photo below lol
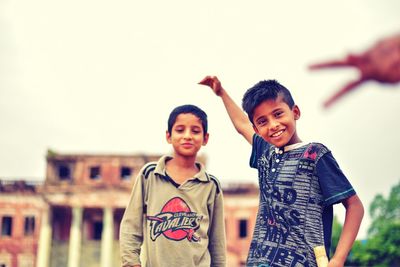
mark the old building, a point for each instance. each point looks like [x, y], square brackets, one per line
[73, 218]
[240, 207]
[21, 208]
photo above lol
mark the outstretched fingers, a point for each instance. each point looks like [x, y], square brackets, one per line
[346, 89]
[330, 64]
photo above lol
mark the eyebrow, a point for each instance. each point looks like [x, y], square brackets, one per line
[191, 126]
[277, 109]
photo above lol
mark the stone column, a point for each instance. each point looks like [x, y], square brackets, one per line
[107, 238]
[44, 246]
[75, 237]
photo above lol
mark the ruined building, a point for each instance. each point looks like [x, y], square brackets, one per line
[72, 218]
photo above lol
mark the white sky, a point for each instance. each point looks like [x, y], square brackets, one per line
[102, 77]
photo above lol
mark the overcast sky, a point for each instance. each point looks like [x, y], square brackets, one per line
[102, 77]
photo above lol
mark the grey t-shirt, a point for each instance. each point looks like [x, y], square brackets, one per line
[167, 224]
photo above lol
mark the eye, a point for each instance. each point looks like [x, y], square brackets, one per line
[278, 114]
[196, 130]
[262, 121]
[179, 129]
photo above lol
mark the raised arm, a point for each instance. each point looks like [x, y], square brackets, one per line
[239, 119]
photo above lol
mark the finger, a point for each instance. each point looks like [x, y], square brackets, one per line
[350, 86]
[206, 81]
[330, 64]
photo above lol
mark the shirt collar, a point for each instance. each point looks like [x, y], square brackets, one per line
[201, 175]
[289, 147]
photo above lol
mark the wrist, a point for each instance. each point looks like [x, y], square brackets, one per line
[220, 92]
[338, 259]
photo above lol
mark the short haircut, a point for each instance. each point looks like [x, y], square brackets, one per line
[265, 90]
[184, 109]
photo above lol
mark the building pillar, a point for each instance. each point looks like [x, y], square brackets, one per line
[44, 246]
[75, 237]
[107, 238]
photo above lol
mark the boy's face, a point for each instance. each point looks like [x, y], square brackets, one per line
[187, 135]
[275, 122]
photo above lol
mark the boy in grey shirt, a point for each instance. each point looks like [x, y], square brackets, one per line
[176, 207]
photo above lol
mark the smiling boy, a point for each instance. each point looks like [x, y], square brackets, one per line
[299, 182]
[176, 207]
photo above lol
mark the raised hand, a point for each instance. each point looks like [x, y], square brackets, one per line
[380, 63]
[213, 83]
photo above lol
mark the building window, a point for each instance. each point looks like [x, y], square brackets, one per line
[97, 230]
[95, 173]
[29, 227]
[64, 173]
[6, 226]
[242, 228]
[126, 173]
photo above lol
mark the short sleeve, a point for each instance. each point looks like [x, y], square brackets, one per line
[258, 148]
[334, 184]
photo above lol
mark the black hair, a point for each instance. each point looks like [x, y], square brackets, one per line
[184, 109]
[265, 90]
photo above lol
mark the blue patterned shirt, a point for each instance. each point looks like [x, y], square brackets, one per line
[298, 187]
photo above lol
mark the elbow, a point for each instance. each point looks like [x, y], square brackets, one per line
[362, 211]
[354, 206]
[358, 209]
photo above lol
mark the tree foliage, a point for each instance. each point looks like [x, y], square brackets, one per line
[382, 247]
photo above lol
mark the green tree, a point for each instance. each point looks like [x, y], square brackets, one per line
[382, 247]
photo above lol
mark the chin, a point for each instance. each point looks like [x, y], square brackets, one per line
[188, 154]
[278, 144]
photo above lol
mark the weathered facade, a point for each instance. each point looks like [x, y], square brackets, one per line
[21, 207]
[240, 208]
[73, 218]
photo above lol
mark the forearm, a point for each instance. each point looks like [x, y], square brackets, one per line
[238, 118]
[354, 215]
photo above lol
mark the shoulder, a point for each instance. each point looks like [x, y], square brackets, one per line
[315, 151]
[214, 180]
[260, 148]
[258, 141]
[148, 169]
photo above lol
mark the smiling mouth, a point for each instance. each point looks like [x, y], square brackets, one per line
[187, 145]
[277, 134]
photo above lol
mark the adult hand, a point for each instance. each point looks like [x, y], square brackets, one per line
[380, 63]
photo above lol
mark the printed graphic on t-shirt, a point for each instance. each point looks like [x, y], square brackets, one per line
[288, 222]
[311, 152]
[176, 222]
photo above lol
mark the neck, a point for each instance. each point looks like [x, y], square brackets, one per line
[181, 168]
[295, 139]
[183, 162]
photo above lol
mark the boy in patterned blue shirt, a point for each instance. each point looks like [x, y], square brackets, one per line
[299, 182]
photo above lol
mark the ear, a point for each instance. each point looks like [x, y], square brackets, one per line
[255, 129]
[296, 112]
[206, 137]
[168, 137]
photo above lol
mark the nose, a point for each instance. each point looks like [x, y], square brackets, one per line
[273, 124]
[187, 134]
